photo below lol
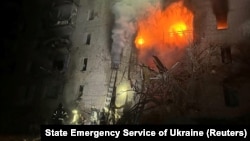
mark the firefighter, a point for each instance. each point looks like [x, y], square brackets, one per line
[60, 115]
[78, 119]
[94, 116]
[103, 117]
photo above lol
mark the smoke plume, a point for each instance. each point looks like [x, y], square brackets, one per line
[126, 12]
[220, 10]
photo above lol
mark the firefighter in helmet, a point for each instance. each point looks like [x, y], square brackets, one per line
[60, 115]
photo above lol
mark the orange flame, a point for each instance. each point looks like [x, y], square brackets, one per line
[222, 25]
[140, 41]
[161, 32]
[178, 28]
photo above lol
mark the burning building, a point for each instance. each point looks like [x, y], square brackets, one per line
[158, 31]
[165, 33]
[157, 59]
[197, 41]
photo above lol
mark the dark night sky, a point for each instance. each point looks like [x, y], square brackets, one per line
[20, 28]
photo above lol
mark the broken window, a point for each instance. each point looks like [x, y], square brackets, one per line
[226, 55]
[85, 62]
[81, 88]
[91, 15]
[88, 39]
[79, 97]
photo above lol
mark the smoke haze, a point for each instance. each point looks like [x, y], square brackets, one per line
[126, 12]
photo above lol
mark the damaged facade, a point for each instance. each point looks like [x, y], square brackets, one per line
[208, 74]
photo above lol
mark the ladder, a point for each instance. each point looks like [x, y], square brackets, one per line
[111, 88]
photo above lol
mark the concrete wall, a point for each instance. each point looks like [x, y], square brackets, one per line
[211, 98]
[95, 78]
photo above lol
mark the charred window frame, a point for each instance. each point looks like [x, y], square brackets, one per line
[80, 92]
[81, 87]
[226, 55]
[88, 39]
[85, 63]
[91, 15]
